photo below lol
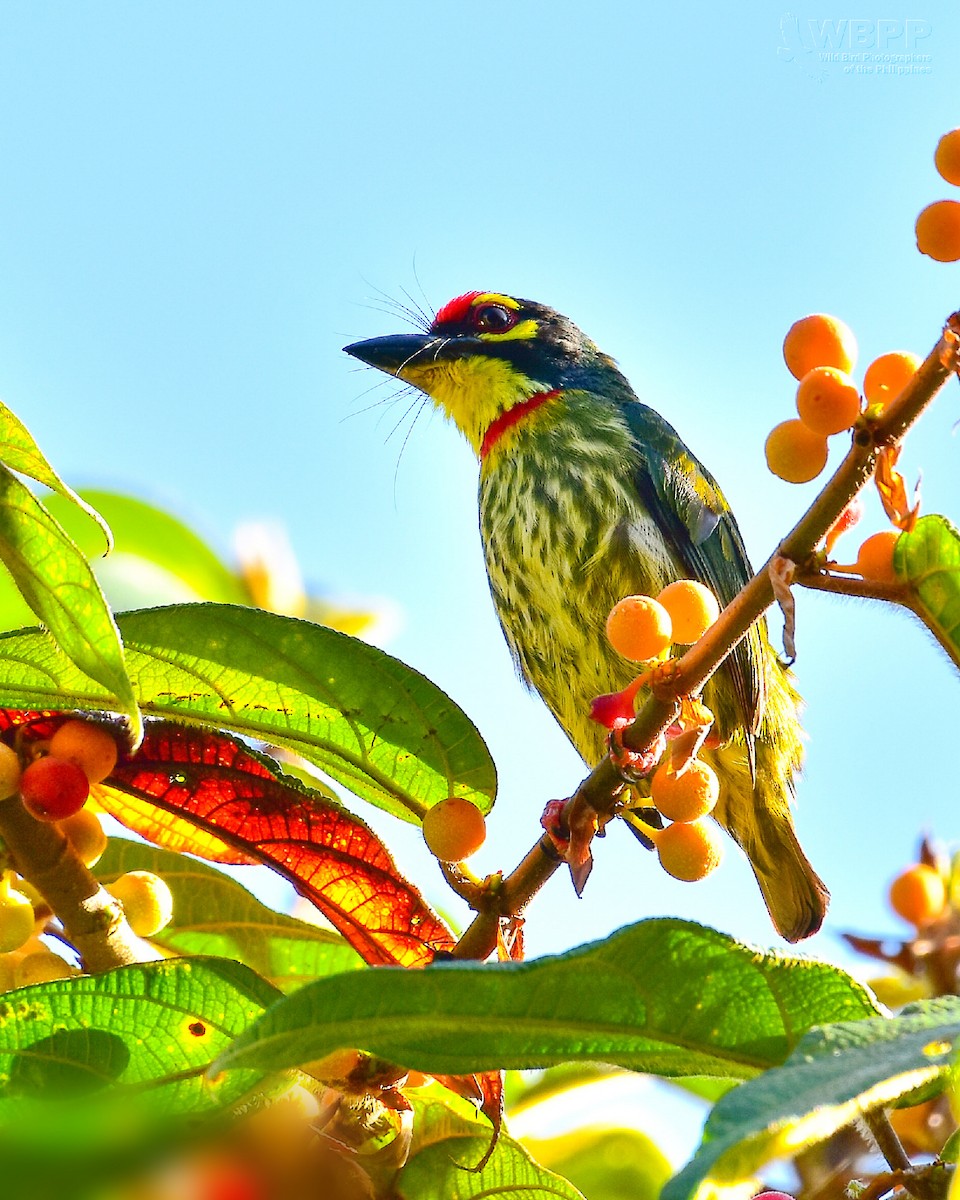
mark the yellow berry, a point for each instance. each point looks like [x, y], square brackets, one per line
[692, 609]
[947, 156]
[794, 452]
[89, 745]
[639, 628]
[938, 231]
[16, 920]
[888, 375]
[146, 899]
[819, 341]
[690, 850]
[918, 894]
[687, 795]
[454, 829]
[10, 771]
[43, 966]
[875, 557]
[85, 834]
[828, 401]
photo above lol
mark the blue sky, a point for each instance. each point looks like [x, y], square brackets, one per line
[200, 204]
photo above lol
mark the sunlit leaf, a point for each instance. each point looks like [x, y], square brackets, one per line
[929, 559]
[604, 1162]
[329, 855]
[214, 915]
[20, 453]
[448, 1142]
[364, 718]
[93, 1067]
[836, 1074]
[664, 996]
[59, 586]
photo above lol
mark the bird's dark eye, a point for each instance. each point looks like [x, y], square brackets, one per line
[494, 318]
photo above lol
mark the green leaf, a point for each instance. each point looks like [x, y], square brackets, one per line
[96, 1071]
[60, 588]
[20, 452]
[151, 542]
[364, 718]
[836, 1074]
[664, 996]
[604, 1162]
[448, 1143]
[214, 915]
[929, 559]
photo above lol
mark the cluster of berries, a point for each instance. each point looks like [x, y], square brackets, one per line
[820, 352]
[938, 225]
[642, 628]
[54, 786]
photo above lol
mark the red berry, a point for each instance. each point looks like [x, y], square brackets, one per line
[52, 789]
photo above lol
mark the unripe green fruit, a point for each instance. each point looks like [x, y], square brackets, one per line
[16, 920]
[10, 771]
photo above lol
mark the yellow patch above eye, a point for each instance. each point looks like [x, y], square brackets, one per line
[522, 331]
[496, 298]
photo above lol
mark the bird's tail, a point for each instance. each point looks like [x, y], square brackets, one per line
[756, 812]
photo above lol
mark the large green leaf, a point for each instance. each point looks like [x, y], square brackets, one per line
[836, 1074]
[215, 915]
[59, 586]
[664, 996]
[364, 718]
[605, 1163]
[98, 1071]
[929, 558]
[448, 1143]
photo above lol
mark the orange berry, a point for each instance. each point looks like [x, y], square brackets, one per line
[828, 401]
[42, 966]
[794, 452]
[688, 795]
[875, 557]
[454, 829]
[692, 609]
[87, 744]
[85, 834]
[819, 341]
[639, 628]
[888, 375]
[938, 231]
[947, 156]
[918, 894]
[689, 850]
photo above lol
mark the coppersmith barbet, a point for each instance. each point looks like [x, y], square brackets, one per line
[588, 495]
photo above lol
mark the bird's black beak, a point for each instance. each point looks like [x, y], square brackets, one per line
[391, 353]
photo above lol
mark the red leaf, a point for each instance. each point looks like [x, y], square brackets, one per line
[329, 855]
[204, 792]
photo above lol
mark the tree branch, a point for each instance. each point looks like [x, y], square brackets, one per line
[92, 918]
[597, 797]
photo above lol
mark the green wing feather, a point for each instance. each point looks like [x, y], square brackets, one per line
[702, 533]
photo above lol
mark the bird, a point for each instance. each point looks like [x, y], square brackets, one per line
[587, 495]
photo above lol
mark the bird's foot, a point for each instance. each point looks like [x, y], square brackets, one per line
[634, 765]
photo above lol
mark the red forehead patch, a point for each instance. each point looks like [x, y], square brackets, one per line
[457, 309]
